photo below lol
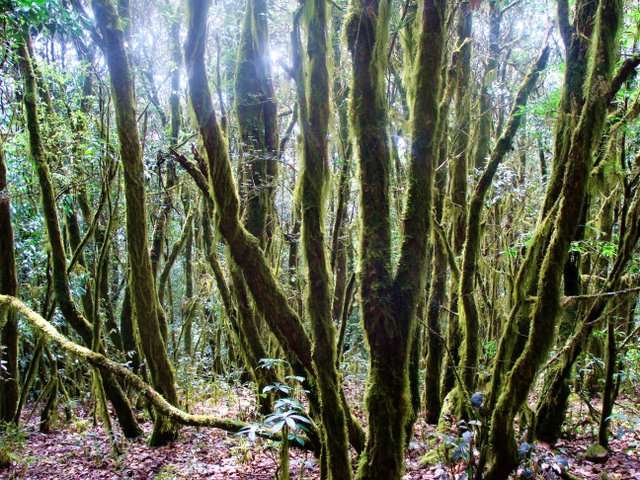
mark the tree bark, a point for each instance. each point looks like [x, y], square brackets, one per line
[389, 303]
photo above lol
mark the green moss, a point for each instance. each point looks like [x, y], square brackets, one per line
[596, 453]
[389, 302]
[546, 303]
[469, 318]
[312, 83]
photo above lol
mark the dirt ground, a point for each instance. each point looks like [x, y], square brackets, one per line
[80, 450]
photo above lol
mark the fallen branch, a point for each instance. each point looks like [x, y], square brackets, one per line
[103, 363]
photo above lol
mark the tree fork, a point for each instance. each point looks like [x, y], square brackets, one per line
[389, 303]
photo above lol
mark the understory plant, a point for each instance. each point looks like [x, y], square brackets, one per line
[287, 423]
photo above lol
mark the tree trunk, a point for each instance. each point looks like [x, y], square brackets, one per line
[54, 237]
[142, 284]
[313, 106]
[458, 172]
[9, 383]
[389, 304]
[546, 306]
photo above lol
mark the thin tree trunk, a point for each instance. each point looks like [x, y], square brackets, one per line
[313, 107]
[54, 237]
[143, 291]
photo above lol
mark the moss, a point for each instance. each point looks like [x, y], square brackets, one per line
[577, 40]
[104, 364]
[458, 174]
[469, 318]
[389, 303]
[312, 83]
[244, 248]
[177, 247]
[61, 287]
[596, 453]
[256, 111]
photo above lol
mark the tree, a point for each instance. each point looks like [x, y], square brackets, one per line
[10, 392]
[389, 303]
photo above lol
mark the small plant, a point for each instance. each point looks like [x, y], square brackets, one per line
[626, 424]
[539, 463]
[288, 420]
[11, 441]
[460, 449]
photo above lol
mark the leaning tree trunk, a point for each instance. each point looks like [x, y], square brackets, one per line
[270, 298]
[469, 317]
[142, 284]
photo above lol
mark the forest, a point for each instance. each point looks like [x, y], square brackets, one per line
[320, 239]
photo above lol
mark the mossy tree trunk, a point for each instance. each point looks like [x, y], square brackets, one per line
[142, 284]
[244, 248]
[188, 290]
[175, 121]
[437, 295]
[458, 163]
[104, 364]
[339, 236]
[485, 120]
[9, 381]
[552, 406]
[436, 301]
[576, 39]
[269, 297]
[568, 207]
[312, 84]
[389, 303]
[469, 316]
[256, 111]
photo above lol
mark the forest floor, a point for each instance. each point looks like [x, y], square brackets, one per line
[78, 449]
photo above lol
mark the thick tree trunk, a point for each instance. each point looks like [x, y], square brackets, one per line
[389, 304]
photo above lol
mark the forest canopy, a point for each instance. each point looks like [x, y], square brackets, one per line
[406, 230]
